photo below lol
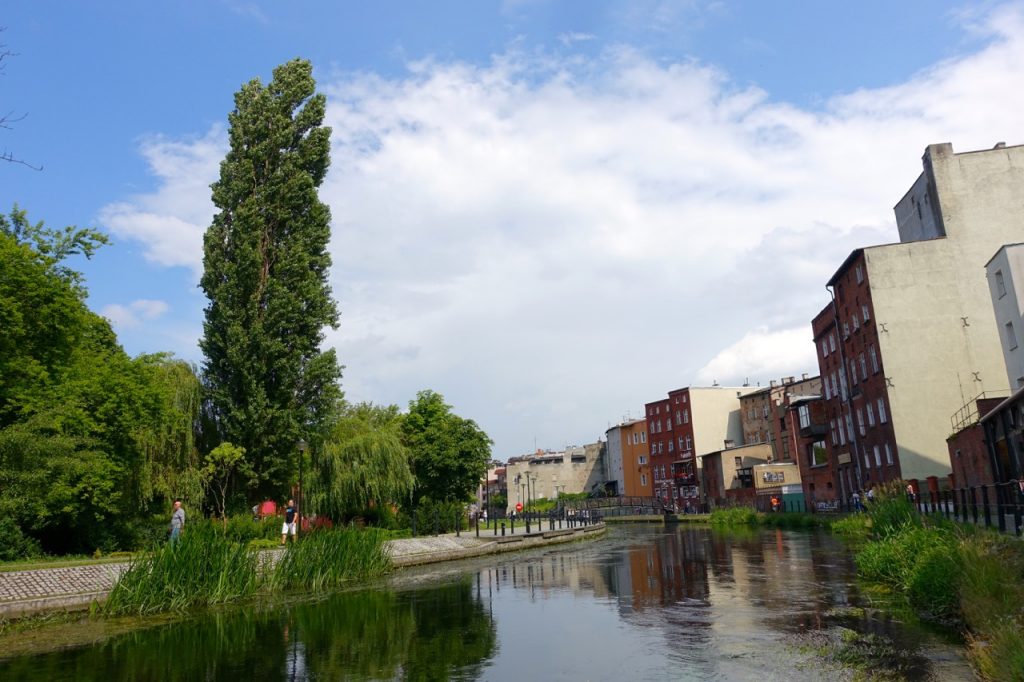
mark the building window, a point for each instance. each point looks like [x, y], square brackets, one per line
[867, 460]
[828, 391]
[824, 348]
[661, 448]
[643, 436]
[842, 383]
[849, 427]
[888, 454]
[846, 330]
[871, 414]
[832, 342]
[671, 445]
[864, 312]
[882, 417]
[1000, 284]
[853, 372]
[856, 322]
[860, 274]
[1011, 336]
[643, 479]
[874, 359]
[686, 416]
[764, 411]
[863, 367]
[817, 454]
[804, 413]
[689, 444]
[860, 422]
[679, 417]
[643, 460]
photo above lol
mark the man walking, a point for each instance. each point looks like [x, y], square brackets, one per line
[289, 522]
[177, 521]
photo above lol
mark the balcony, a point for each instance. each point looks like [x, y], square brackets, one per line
[813, 431]
[685, 479]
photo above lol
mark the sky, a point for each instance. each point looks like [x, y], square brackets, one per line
[549, 212]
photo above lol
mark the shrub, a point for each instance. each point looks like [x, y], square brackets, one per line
[14, 544]
[855, 527]
[933, 584]
[440, 516]
[734, 516]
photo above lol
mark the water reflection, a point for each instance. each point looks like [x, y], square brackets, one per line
[646, 603]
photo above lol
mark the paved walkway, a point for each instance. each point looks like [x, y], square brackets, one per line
[45, 589]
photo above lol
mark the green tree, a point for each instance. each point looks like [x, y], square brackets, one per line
[265, 274]
[224, 463]
[362, 462]
[449, 453]
[90, 439]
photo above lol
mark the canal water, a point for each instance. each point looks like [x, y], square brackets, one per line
[644, 603]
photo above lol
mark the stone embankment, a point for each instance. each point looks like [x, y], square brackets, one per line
[76, 587]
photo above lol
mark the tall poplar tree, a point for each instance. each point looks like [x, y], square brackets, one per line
[265, 271]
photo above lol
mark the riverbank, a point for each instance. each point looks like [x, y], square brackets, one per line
[78, 587]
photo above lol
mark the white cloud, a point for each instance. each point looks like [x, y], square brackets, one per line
[552, 242]
[124, 317]
[170, 222]
[761, 353]
[571, 37]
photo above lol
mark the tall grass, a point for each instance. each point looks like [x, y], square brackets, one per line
[950, 572]
[202, 568]
[328, 558]
[734, 516]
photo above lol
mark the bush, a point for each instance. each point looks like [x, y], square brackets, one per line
[855, 527]
[243, 528]
[933, 585]
[440, 516]
[734, 516]
[14, 544]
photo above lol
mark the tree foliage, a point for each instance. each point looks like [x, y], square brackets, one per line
[222, 465]
[361, 463]
[265, 275]
[449, 453]
[90, 439]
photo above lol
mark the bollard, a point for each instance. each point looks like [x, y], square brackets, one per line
[478, 526]
[495, 526]
[502, 528]
[458, 524]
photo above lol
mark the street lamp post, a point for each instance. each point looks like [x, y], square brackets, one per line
[302, 447]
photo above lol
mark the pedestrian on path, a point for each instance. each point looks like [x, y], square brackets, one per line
[856, 502]
[289, 522]
[177, 521]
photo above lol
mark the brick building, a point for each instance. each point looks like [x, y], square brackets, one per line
[692, 421]
[910, 329]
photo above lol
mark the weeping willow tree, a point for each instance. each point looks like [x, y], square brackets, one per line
[362, 463]
[169, 463]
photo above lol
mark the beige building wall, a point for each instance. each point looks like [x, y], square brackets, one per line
[579, 469]
[1005, 274]
[937, 330]
[715, 415]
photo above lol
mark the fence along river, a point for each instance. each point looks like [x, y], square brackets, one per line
[647, 603]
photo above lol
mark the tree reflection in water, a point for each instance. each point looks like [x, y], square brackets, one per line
[359, 635]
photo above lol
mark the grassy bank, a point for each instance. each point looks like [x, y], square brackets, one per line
[207, 567]
[745, 516]
[950, 573]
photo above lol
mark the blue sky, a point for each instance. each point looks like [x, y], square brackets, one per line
[566, 208]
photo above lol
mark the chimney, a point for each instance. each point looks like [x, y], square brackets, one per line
[771, 384]
[803, 377]
[729, 443]
[1000, 145]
